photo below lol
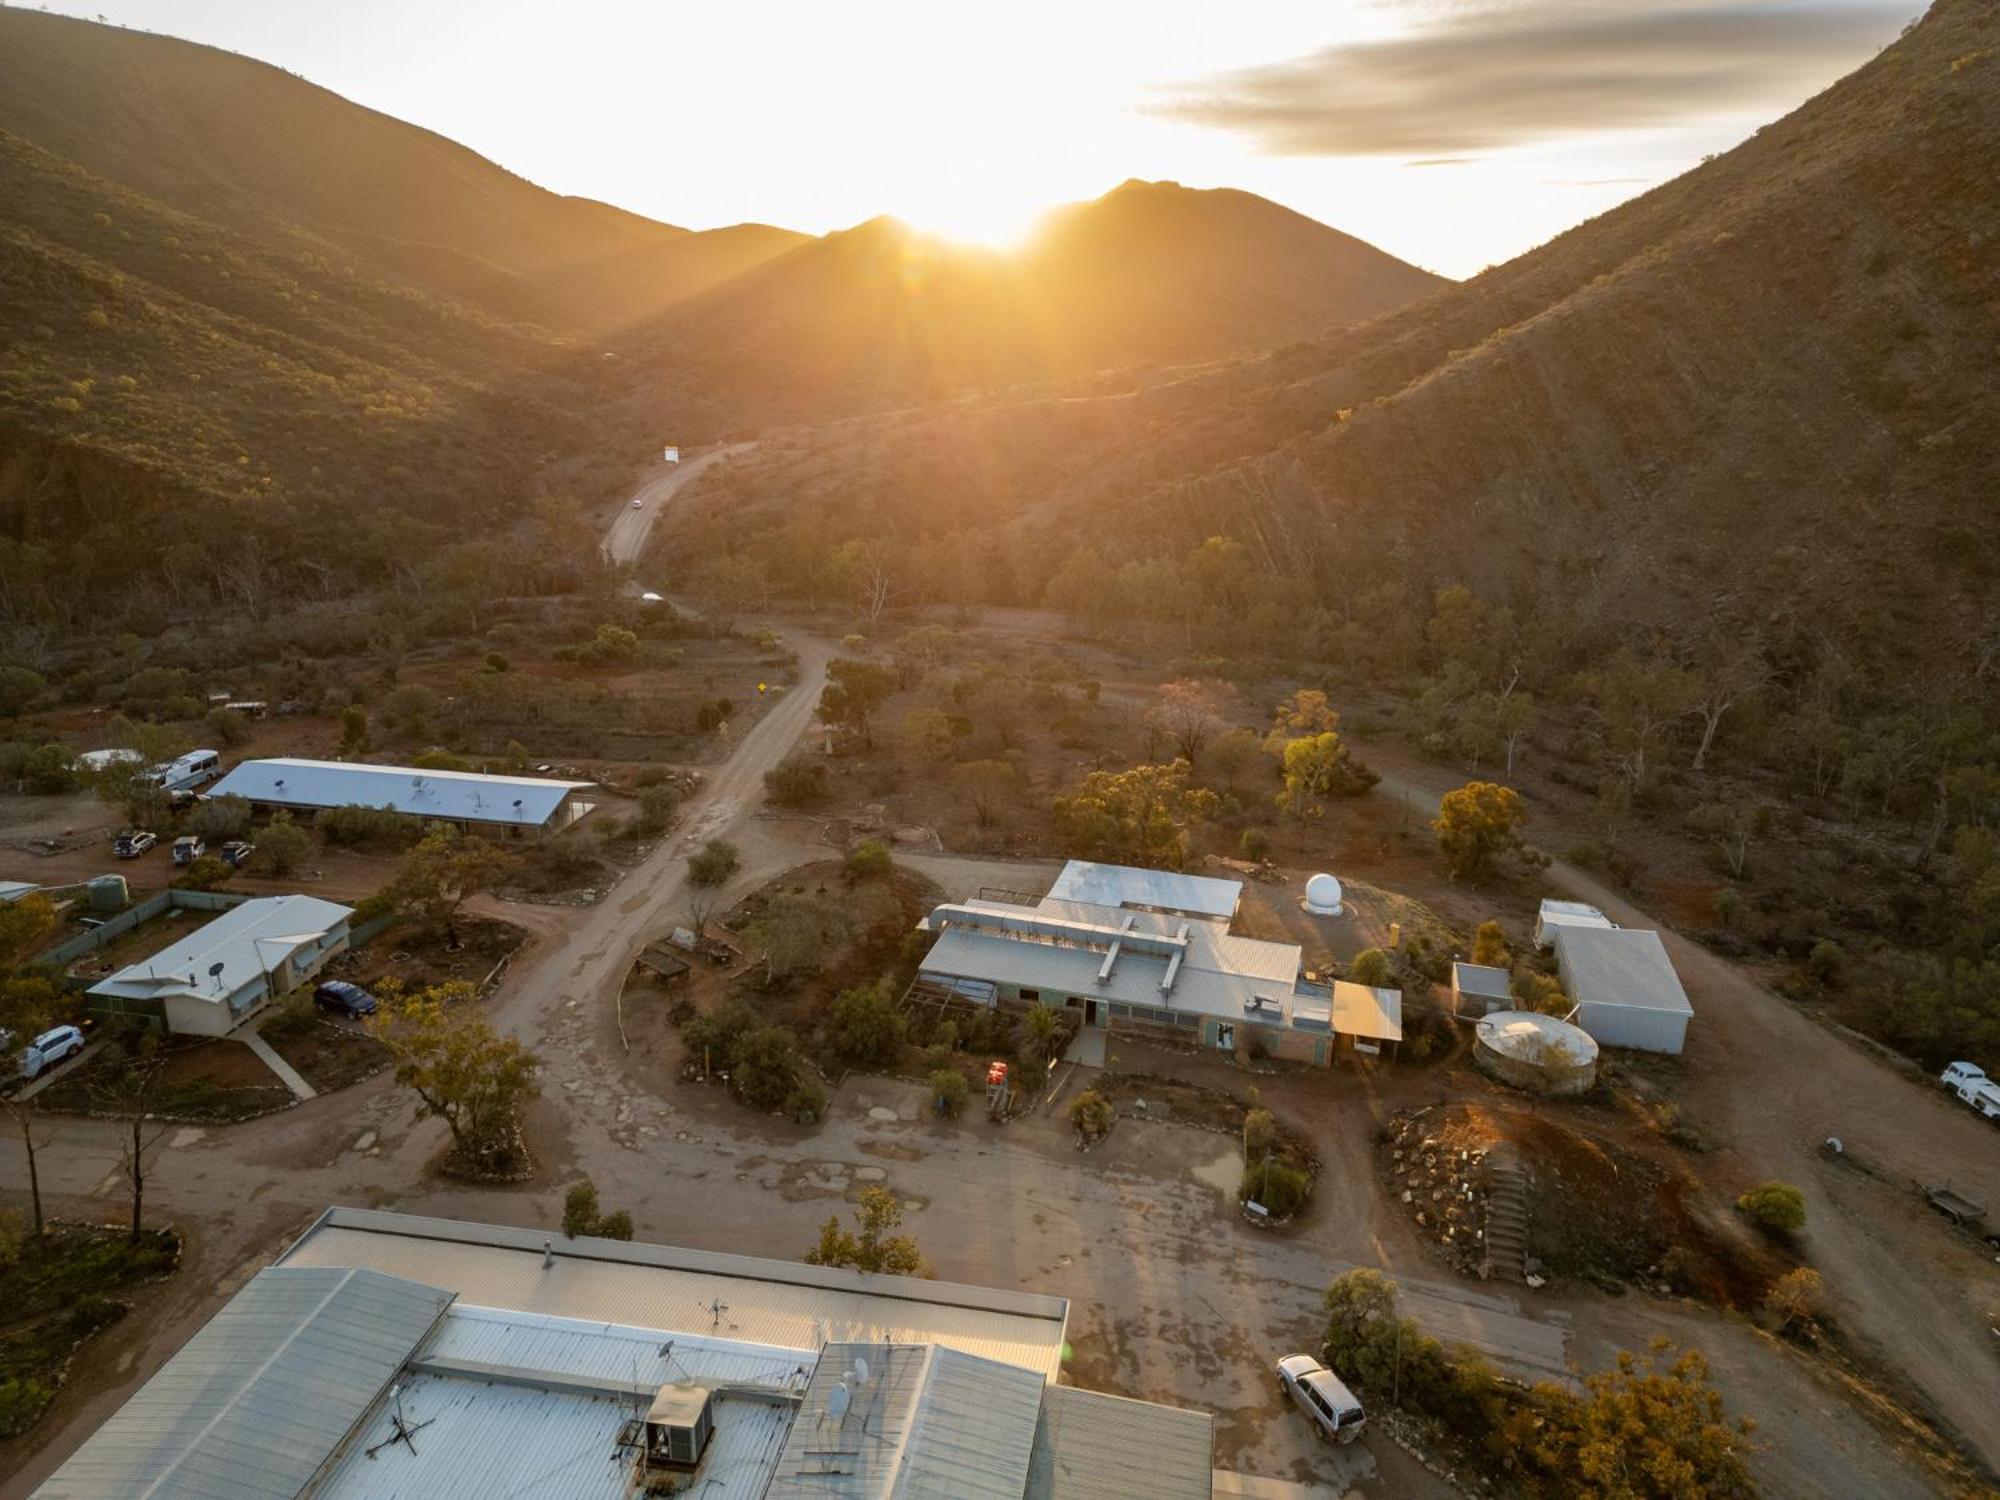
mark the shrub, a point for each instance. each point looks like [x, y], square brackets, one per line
[1795, 1297]
[864, 1029]
[205, 874]
[1281, 1187]
[1093, 1115]
[220, 819]
[1371, 966]
[657, 806]
[806, 1103]
[714, 863]
[797, 783]
[369, 828]
[1260, 1133]
[869, 860]
[1254, 844]
[950, 1090]
[1775, 1207]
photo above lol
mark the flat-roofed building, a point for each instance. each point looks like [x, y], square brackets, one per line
[1625, 988]
[511, 806]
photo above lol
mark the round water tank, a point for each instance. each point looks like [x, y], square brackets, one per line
[1538, 1052]
[1323, 896]
[109, 893]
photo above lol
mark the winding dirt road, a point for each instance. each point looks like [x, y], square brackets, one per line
[626, 539]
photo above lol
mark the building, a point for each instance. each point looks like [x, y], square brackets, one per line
[1152, 950]
[1477, 990]
[392, 1357]
[1625, 988]
[513, 806]
[1556, 915]
[209, 981]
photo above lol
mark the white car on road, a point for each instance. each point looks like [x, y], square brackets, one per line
[51, 1047]
[1334, 1410]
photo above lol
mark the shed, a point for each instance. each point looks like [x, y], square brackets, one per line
[1556, 915]
[665, 965]
[1478, 990]
[1626, 991]
[513, 804]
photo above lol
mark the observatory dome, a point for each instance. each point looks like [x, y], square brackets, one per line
[1323, 896]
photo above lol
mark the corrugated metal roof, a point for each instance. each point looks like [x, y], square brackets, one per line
[1625, 966]
[1095, 1447]
[1480, 979]
[459, 796]
[1363, 1010]
[249, 941]
[261, 1397]
[927, 1421]
[640, 1357]
[760, 1301]
[1164, 890]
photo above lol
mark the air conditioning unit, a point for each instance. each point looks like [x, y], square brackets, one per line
[678, 1427]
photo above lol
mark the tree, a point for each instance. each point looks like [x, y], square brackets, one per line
[29, 1005]
[445, 868]
[988, 785]
[1644, 1431]
[205, 874]
[1144, 816]
[581, 1215]
[1776, 1207]
[1489, 945]
[950, 1090]
[19, 687]
[353, 730]
[129, 1095]
[283, 846]
[1041, 1032]
[1233, 753]
[1371, 967]
[1092, 1115]
[1733, 673]
[1188, 712]
[872, 1245]
[461, 1070]
[1478, 823]
[1636, 701]
[714, 863]
[796, 783]
[1254, 844]
[864, 1029]
[1731, 827]
[869, 860]
[1302, 715]
[219, 819]
[854, 691]
[1317, 767]
[927, 735]
[1798, 1296]
[23, 926]
[797, 932]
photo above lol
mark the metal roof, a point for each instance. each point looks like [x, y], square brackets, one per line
[1572, 914]
[249, 941]
[458, 796]
[1161, 890]
[1090, 1446]
[511, 1408]
[732, 1297]
[258, 1401]
[1363, 1010]
[1625, 966]
[1481, 980]
[925, 1421]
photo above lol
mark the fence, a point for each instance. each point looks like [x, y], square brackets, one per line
[142, 911]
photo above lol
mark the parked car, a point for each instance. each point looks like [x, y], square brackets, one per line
[1961, 1073]
[1334, 1411]
[342, 998]
[133, 844]
[236, 853]
[53, 1046]
[188, 848]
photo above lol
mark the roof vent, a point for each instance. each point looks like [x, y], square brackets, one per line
[678, 1427]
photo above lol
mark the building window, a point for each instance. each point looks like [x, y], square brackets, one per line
[1031, 996]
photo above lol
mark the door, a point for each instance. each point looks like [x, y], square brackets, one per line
[1225, 1037]
[1093, 1013]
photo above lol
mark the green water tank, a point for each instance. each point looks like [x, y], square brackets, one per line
[109, 893]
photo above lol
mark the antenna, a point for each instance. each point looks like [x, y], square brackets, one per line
[837, 1401]
[715, 1311]
[860, 1371]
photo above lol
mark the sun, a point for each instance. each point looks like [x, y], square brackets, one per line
[974, 214]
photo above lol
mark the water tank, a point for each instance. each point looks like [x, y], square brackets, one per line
[1323, 896]
[109, 893]
[1537, 1052]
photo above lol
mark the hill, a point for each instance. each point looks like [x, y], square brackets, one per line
[252, 148]
[883, 315]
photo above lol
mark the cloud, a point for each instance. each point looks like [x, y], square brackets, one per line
[1441, 161]
[1490, 76]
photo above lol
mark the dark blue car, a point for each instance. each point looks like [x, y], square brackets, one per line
[342, 998]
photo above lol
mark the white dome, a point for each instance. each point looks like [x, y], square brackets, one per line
[1323, 895]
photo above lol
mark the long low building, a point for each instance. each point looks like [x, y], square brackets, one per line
[389, 1357]
[1625, 988]
[514, 806]
[210, 981]
[1140, 962]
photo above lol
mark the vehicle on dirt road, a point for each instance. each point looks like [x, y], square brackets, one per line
[58, 1044]
[188, 848]
[236, 853]
[1335, 1412]
[338, 997]
[133, 844]
[1974, 1089]
[638, 505]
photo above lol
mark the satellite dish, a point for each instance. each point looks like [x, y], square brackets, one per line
[215, 969]
[861, 1372]
[837, 1401]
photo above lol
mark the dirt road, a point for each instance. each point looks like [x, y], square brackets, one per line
[1771, 1083]
[634, 522]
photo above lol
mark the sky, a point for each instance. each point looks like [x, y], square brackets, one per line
[1453, 133]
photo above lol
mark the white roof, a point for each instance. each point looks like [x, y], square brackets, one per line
[1364, 1010]
[258, 1400]
[460, 796]
[772, 1302]
[1625, 966]
[248, 941]
[1572, 914]
[1096, 1447]
[1481, 979]
[1161, 890]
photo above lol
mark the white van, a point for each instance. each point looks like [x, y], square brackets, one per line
[1983, 1095]
[195, 769]
[1961, 1073]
